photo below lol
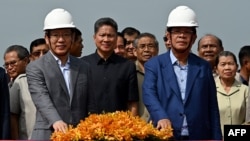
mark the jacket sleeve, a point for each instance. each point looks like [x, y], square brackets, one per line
[214, 109]
[40, 94]
[150, 93]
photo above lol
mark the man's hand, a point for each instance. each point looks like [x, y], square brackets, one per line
[163, 123]
[60, 126]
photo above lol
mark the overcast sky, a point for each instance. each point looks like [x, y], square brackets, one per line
[22, 20]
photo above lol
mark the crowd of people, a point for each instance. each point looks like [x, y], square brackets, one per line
[51, 86]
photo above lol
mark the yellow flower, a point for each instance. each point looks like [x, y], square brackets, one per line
[113, 126]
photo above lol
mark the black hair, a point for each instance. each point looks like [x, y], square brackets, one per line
[105, 21]
[244, 53]
[146, 34]
[119, 34]
[21, 51]
[130, 31]
[224, 53]
[36, 42]
[77, 33]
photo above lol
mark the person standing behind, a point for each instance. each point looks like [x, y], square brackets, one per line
[76, 49]
[120, 45]
[232, 95]
[146, 47]
[21, 105]
[209, 46]
[244, 61]
[58, 82]
[248, 109]
[114, 77]
[38, 48]
[167, 42]
[244, 72]
[4, 107]
[130, 33]
[14, 63]
[178, 87]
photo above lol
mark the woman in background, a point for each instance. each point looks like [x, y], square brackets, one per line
[231, 94]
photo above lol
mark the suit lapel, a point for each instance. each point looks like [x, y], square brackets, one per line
[168, 71]
[74, 69]
[53, 64]
[193, 70]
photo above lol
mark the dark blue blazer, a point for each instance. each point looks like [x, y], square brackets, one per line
[162, 97]
[4, 106]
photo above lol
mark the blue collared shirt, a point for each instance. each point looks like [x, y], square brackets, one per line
[65, 69]
[181, 75]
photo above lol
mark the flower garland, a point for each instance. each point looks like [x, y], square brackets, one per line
[113, 126]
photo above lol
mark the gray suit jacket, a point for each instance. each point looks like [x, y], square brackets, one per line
[50, 95]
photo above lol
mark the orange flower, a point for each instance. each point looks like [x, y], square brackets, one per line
[113, 126]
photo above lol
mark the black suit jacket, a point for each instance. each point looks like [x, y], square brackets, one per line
[4, 106]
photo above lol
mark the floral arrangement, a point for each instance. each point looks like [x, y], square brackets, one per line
[113, 126]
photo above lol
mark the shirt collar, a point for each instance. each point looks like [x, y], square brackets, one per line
[138, 69]
[59, 61]
[173, 58]
[99, 60]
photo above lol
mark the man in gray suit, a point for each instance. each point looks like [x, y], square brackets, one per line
[58, 82]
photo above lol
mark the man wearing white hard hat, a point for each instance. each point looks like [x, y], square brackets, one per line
[179, 89]
[58, 82]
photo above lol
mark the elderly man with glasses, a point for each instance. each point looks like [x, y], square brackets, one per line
[22, 108]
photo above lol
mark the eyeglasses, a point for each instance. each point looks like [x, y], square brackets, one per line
[148, 46]
[177, 32]
[56, 36]
[11, 63]
[165, 39]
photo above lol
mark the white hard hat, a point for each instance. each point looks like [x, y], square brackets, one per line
[58, 18]
[182, 16]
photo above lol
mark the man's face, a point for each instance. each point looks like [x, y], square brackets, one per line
[129, 45]
[39, 51]
[14, 65]
[167, 42]
[145, 49]
[60, 41]
[105, 39]
[209, 48]
[76, 49]
[247, 64]
[182, 39]
[120, 47]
